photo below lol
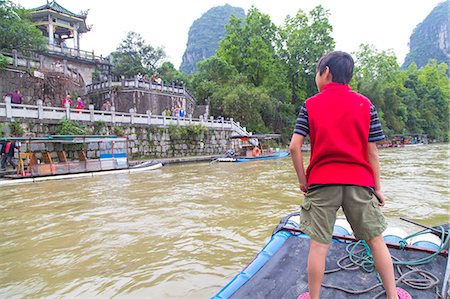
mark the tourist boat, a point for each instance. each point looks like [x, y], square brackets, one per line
[252, 148]
[422, 266]
[69, 156]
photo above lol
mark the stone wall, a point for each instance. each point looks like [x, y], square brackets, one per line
[141, 101]
[52, 89]
[144, 142]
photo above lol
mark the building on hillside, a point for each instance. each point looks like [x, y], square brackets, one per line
[64, 68]
[59, 24]
[63, 28]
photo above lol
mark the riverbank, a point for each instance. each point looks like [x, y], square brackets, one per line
[178, 160]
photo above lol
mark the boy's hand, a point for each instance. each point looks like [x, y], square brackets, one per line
[380, 196]
[304, 188]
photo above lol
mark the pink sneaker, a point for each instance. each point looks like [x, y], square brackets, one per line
[402, 294]
[303, 296]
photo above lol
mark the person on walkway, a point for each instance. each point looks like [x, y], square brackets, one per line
[80, 104]
[2, 153]
[106, 106]
[343, 127]
[8, 156]
[16, 96]
[68, 100]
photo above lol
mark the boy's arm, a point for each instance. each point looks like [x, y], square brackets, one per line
[374, 162]
[295, 148]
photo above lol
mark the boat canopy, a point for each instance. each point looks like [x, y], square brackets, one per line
[256, 136]
[68, 139]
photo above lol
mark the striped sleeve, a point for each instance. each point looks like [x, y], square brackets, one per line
[376, 132]
[302, 126]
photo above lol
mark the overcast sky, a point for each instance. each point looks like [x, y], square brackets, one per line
[386, 24]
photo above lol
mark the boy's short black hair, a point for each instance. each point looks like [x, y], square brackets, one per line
[340, 64]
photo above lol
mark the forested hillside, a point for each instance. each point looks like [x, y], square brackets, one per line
[430, 39]
[261, 74]
[205, 34]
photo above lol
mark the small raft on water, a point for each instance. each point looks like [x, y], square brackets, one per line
[421, 264]
[252, 148]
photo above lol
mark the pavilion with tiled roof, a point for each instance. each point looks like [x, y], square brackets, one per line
[59, 23]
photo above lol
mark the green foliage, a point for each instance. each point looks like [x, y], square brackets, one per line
[2, 132]
[16, 29]
[118, 131]
[16, 129]
[306, 38]
[96, 74]
[260, 74]
[212, 73]
[411, 101]
[68, 127]
[169, 73]
[189, 132]
[195, 130]
[3, 62]
[99, 127]
[250, 49]
[133, 55]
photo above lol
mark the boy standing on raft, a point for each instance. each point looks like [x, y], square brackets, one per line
[343, 127]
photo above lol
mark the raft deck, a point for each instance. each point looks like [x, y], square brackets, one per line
[284, 275]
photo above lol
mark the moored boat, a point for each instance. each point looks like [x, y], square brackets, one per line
[251, 148]
[65, 156]
[279, 270]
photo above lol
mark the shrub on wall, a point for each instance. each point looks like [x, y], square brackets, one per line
[99, 127]
[3, 62]
[196, 130]
[2, 132]
[190, 132]
[118, 131]
[68, 127]
[16, 129]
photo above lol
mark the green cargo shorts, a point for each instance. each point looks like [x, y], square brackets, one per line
[360, 206]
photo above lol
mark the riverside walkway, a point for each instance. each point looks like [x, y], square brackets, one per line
[12, 112]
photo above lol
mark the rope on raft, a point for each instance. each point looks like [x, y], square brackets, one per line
[363, 259]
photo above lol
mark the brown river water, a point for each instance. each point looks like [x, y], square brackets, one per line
[182, 231]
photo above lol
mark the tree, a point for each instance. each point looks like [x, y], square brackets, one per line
[377, 76]
[306, 38]
[427, 92]
[413, 101]
[250, 49]
[170, 74]
[210, 75]
[133, 55]
[16, 30]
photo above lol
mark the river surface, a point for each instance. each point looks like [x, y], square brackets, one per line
[182, 231]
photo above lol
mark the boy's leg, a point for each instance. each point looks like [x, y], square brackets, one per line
[317, 218]
[383, 264]
[364, 214]
[316, 267]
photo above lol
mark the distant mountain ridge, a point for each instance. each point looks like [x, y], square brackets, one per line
[430, 39]
[205, 34]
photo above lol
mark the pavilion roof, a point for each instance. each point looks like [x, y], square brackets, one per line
[58, 8]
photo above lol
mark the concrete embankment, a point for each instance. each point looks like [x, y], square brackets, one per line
[177, 160]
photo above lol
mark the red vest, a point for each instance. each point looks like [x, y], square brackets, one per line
[339, 124]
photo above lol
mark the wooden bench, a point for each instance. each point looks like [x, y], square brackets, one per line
[26, 161]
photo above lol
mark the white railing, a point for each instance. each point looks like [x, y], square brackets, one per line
[77, 53]
[10, 111]
[136, 84]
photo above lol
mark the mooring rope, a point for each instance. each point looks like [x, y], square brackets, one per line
[360, 257]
